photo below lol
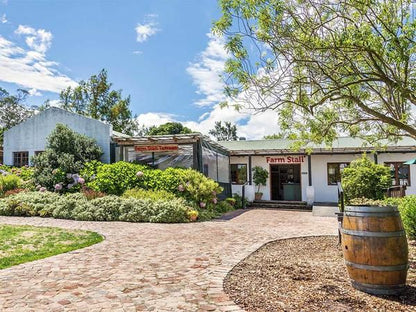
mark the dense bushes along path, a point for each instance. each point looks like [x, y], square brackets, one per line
[144, 266]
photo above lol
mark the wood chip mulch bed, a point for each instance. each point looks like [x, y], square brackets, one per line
[308, 274]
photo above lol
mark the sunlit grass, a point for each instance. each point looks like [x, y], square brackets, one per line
[20, 244]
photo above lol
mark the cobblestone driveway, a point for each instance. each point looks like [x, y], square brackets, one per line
[148, 267]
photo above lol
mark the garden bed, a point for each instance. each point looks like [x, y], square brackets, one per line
[308, 274]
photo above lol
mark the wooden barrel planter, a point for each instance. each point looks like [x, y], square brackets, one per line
[375, 249]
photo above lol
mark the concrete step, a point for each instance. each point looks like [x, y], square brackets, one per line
[280, 204]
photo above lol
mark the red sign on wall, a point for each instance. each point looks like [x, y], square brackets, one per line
[156, 148]
[285, 160]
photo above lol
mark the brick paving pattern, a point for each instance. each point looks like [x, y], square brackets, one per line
[148, 267]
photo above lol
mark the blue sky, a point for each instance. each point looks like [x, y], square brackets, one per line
[160, 52]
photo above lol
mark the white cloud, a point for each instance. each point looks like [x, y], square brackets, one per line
[147, 29]
[39, 40]
[3, 19]
[29, 68]
[34, 92]
[137, 52]
[206, 72]
[155, 119]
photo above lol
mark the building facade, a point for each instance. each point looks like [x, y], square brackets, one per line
[312, 174]
[30, 137]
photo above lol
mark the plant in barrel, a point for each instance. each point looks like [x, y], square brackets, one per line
[374, 242]
[260, 176]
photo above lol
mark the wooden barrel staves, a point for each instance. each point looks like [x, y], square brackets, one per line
[375, 249]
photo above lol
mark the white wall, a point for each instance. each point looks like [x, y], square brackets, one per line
[31, 134]
[322, 191]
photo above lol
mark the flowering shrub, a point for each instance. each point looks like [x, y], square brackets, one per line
[64, 157]
[119, 177]
[25, 173]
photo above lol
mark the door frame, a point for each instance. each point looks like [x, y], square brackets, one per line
[270, 178]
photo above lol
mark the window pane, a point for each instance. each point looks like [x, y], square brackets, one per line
[333, 173]
[239, 173]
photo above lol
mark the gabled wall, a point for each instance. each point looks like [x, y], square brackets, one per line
[31, 134]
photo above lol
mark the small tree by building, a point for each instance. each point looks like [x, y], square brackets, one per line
[364, 178]
[228, 132]
[260, 176]
[67, 151]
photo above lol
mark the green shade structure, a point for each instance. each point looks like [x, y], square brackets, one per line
[410, 162]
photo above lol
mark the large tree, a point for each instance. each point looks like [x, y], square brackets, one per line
[13, 109]
[168, 128]
[328, 67]
[95, 98]
[226, 132]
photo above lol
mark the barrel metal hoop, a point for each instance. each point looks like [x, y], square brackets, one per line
[384, 268]
[376, 214]
[373, 234]
[379, 289]
[371, 209]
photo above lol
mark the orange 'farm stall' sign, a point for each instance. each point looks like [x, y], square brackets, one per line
[285, 160]
[156, 148]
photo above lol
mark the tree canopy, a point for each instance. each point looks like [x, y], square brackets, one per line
[95, 98]
[328, 67]
[168, 128]
[226, 132]
[13, 110]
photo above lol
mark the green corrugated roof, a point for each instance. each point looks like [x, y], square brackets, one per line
[284, 144]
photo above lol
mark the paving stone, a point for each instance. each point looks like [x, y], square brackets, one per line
[148, 267]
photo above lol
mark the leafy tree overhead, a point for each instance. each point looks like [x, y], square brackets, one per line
[13, 110]
[326, 66]
[226, 132]
[168, 128]
[95, 98]
[274, 136]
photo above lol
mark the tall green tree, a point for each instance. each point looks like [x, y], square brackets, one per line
[327, 67]
[226, 132]
[168, 128]
[13, 109]
[95, 98]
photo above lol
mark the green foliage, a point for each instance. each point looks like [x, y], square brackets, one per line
[13, 110]
[407, 208]
[362, 201]
[364, 178]
[321, 78]
[109, 208]
[25, 173]
[65, 155]
[9, 182]
[149, 194]
[260, 176]
[119, 177]
[239, 201]
[228, 132]
[115, 178]
[94, 98]
[168, 128]
[223, 207]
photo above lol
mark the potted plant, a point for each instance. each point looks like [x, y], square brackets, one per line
[193, 215]
[260, 176]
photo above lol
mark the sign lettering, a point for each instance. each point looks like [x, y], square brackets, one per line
[285, 160]
[156, 148]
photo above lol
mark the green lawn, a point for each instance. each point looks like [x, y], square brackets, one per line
[19, 244]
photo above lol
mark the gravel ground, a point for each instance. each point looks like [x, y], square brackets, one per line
[308, 274]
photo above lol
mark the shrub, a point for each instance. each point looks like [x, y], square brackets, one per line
[362, 201]
[407, 208]
[230, 200]
[25, 173]
[153, 195]
[116, 178]
[239, 201]
[65, 155]
[9, 182]
[68, 206]
[29, 204]
[364, 178]
[223, 207]
[13, 192]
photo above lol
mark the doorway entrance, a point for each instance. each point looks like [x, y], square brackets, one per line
[285, 182]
